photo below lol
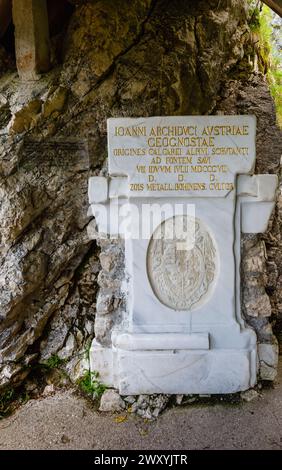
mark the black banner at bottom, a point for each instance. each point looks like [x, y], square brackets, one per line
[127, 459]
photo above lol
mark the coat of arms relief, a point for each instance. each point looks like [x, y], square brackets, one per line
[181, 262]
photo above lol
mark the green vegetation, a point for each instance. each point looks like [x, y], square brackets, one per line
[10, 399]
[89, 384]
[25, 397]
[254, 12]
[274, 70]
[269, 57]
[87, 351]
[6, 399]
[53, 362]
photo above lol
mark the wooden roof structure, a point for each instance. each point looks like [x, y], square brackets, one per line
[275, 5]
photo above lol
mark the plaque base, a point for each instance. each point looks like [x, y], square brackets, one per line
[134, 366]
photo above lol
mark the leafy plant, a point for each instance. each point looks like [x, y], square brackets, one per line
[54, 362]
[25, 397]
[5, 400]
[274, 69]
[90, 384]
[87, 351]
[269, 56]
[254, 11]
[11, 398]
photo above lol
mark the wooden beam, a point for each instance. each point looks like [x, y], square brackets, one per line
[31, 38]
[275, 5]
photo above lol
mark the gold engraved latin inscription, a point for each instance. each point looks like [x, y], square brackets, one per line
[182, 268]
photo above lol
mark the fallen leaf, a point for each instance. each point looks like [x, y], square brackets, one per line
[120, 419]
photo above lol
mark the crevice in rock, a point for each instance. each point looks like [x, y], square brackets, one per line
[198, 63]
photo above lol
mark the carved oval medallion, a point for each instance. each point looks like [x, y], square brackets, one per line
[181, 262]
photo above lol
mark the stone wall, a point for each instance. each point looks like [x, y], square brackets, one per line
[261, 255]
[152, 57]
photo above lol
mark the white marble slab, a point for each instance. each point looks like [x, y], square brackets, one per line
[255, 216]
[217, 306]
[195, 156]
[261, 187]
[187, 372]
[161, 341]
[97, 189]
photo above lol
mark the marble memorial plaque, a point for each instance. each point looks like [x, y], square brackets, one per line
[182, 330]
[181, 156]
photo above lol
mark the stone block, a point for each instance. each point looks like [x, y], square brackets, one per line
[261, 187]
[97, 189]
[111, 401]
[101, 361]
[268, 360]
[255, 216]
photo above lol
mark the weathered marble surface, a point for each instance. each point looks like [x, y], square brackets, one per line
[176, 291]
[142, 149]
[173, 372]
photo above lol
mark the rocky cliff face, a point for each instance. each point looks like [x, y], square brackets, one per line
[139, 58]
